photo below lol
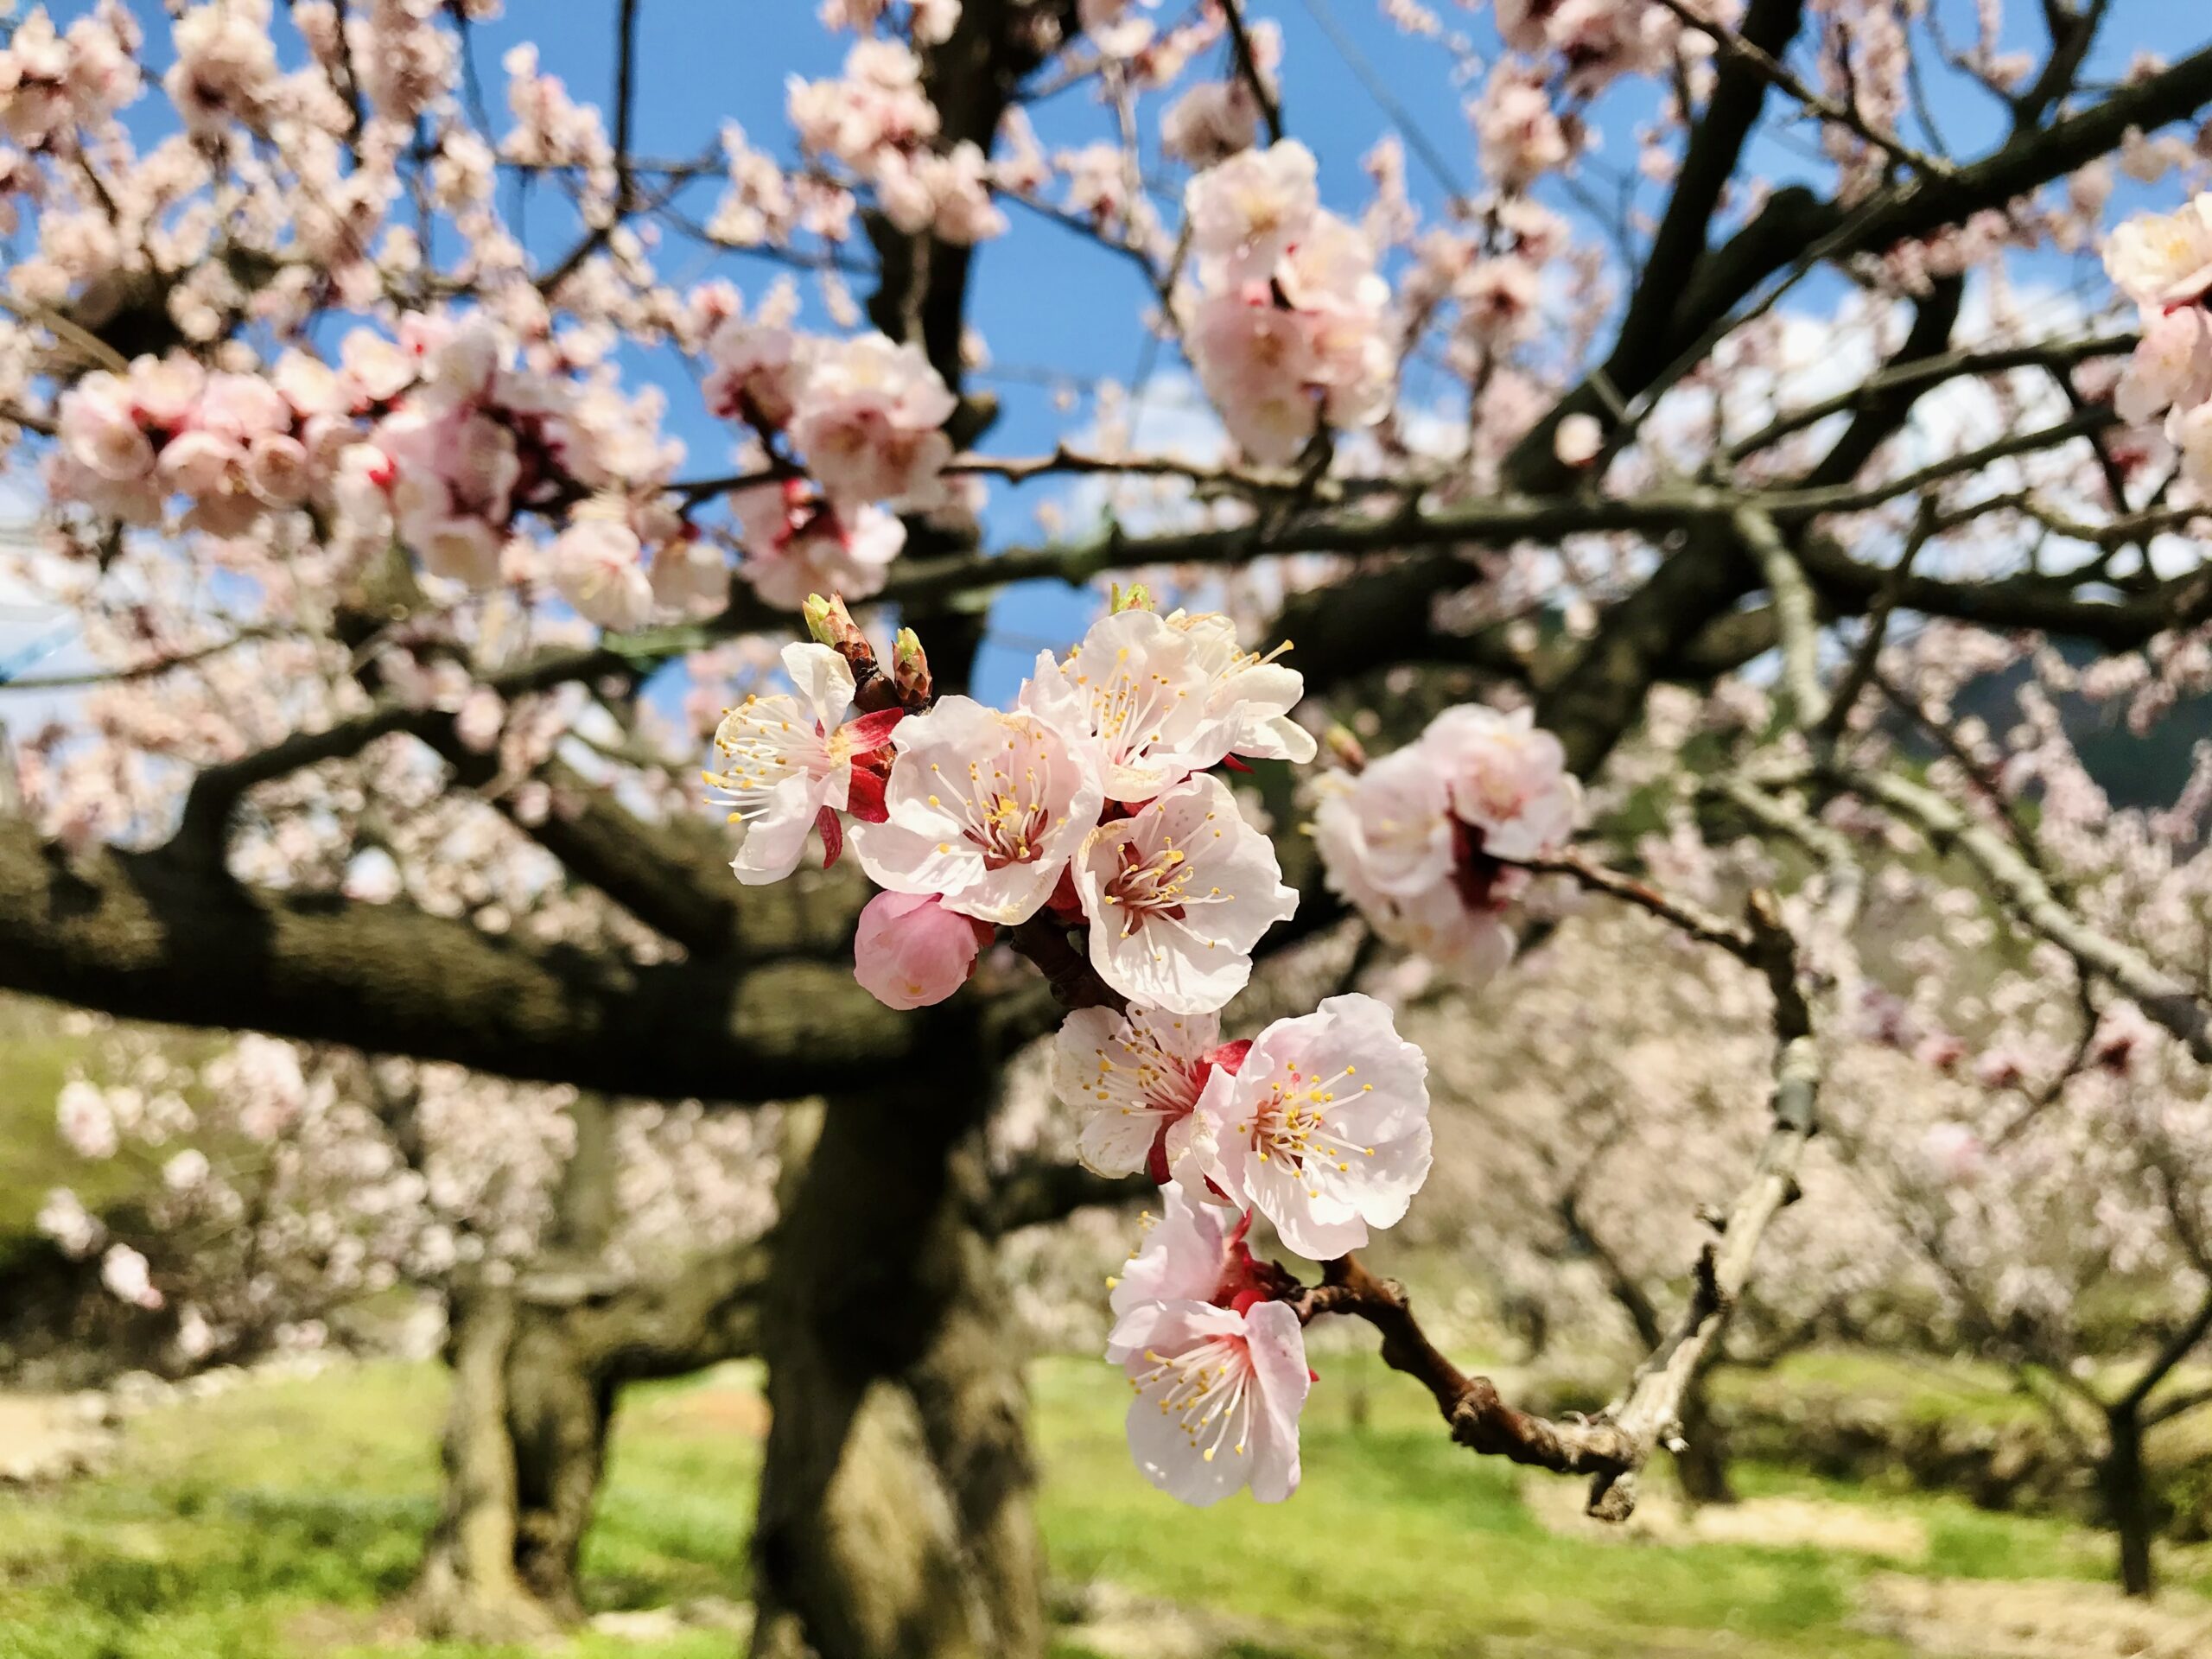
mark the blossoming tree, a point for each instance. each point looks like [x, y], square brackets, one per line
[409, 620]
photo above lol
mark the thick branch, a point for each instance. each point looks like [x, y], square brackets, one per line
[154, 937]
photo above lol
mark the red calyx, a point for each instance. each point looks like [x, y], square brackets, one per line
[870, 733]
[1155, 1161]
[833, 836]
[864, 795]
[1474, 873]
[1227, 1057]
[1066, 905]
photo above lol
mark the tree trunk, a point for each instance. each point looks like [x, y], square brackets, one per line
[1701, 1465]
[895, 1516]
[2128, 1501]
[470, 1587]
[538, 1365]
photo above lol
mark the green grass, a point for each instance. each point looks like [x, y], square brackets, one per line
[276, 1519]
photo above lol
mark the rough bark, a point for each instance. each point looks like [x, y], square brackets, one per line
[537, 1367]
[470, 1587]
[154, 937]
[895, 1518]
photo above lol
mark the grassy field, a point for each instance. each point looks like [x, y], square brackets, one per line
[275, 1519]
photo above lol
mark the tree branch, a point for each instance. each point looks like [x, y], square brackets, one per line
[155, 937]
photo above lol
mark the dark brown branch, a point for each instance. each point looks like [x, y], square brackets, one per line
[1736, 47]
[156, 936]
[1248, 66]
[1480, 1417]
[625, 50]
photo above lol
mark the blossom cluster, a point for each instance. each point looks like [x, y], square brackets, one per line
[289, 1184]
[863, 416]
[1291, 329]
[876, 119]
[1091, 798]
[1425, 842]
[2164, 263]
[1093, 802]
[439, 438]
[1320, 1124]
[52, 80]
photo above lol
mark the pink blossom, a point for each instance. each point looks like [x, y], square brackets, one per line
[599, 568]
[1393, 821]
[1252, 691]
[466, 550]
[797, 544]
[758, 373]
[1212, 121]
[1324, 1127]
[2171, 365]
[1517, 130]
[868, 422]
[124, 1272]
[63, 1218]
[87, 1124]
[1218, 1392]
[100, 428]
[788, 760]
[1506, 778]
[1256, 363]
[1954, 1151]
[2162, 259]
[1190, 1253]
[689, 576]
[1140, 690]
[982, 808]
[1578, 439]
[910, 951]
[1135, 1077]
[1177, 894]
[1249, 210]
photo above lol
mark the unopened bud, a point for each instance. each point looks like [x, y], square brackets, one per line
[823, 616]
[828, 621]
[1135, 597]
[910, 669]
[831, 623]
[1346, 752]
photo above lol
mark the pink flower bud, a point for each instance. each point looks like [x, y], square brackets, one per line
[910, 951]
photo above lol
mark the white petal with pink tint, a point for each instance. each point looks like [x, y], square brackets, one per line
[779, 763]
[1218, 1397]
[1130, 1076]
[983, 809]
[1395, 820]
[1177, 894]
[1505, 776]
[1325, 1128]
[1186, 1256]
[1139, 687]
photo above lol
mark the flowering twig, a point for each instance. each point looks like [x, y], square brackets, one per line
[1480, 1417]
[2024, 890]
[1698, 924]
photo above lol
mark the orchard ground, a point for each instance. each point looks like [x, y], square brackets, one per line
[281, 1517]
